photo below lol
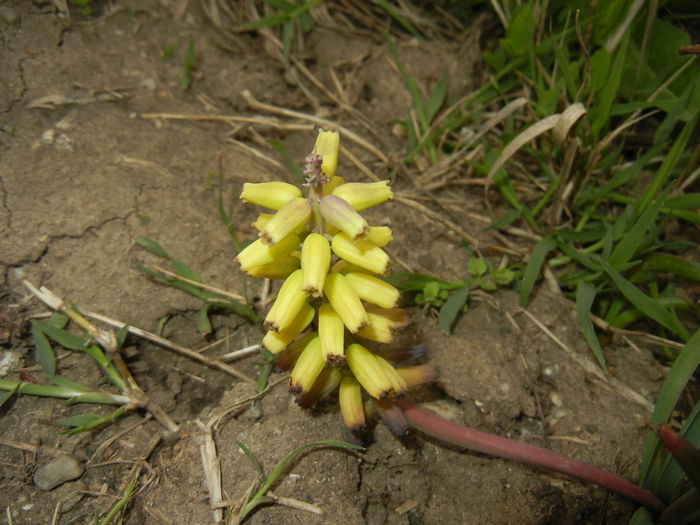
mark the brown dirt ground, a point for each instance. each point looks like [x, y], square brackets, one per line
[80, 182]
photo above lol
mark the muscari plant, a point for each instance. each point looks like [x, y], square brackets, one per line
[333, 300]
[335, 306]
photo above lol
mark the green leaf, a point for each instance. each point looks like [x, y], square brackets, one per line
[534, 266]
[674, 384]
[189, 65]
[283, 466]
[64, 338]
[122, 334]
[601, 115]
[44, 352]
[437, 97]
[5, 395]
[669, 163]
[585, 295]
[59, 320]
[431, 291]
[228, 222]
[646, 304]
[80, 420]
[252, 457]
[600, 68]
[451, 308]
[477, 266]
[503, 276]
[203, 323]
[520, 33]
[396, 15]
[153, 247]
[632, 239]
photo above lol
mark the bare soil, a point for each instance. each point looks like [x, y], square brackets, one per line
[84, 174]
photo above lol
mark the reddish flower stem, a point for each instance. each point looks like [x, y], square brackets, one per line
[444, 430]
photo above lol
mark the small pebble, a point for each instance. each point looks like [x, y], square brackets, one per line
[8, 15]
[57, 471]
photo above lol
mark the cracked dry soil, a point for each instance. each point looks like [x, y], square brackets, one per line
[83, 176]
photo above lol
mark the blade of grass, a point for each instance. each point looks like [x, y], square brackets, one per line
[533, 267]
[451, 308]
[646, 304]
[669, 163]
[252, 457]
[676, 380]
[44, 352]
[585, 295]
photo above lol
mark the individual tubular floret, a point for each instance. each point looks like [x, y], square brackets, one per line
[286, 359]
[327, 145]
[326, 382]
[290, 300]
[307, 368]
[373, 290]
[364, 254]
[258, 253]
[417, 374]
[277, 270]
[331, 331]
[351, 404]
[341, 215]
[345, 301]
[383, 323]
[272, 195]
[289, 217]
[315, 262]
[368, 371]
[363, 195]
[275, 342]
[380, 235]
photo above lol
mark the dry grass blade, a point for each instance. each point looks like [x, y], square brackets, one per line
[212, 471]
[258, 121]
[350, 135]
[566, 121]
[203, 286]
[591, 368]
[161, 341]
[523, 138]
[54, 101]
[436, 217]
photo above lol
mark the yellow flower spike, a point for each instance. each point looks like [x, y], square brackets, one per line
[293, 214]
[272, 195]
[363, 195]
[276, 342]
[373, 290]
[368, 371]
[417, 375]
[307, 368]
[331, 331]
[286, 359]
[315, 262]
[380, 235]
[290, 300]
[326, 382]
[383, 323]
[341, 215]
[398, 384]
[345, 301]
[277, 270]
[327, 145]
[351, 405]
[364, 254]
[258, 253]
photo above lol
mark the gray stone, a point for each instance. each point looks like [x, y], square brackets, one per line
[60, 469]
[8, 15]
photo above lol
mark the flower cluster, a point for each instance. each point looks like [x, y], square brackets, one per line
[332, 298]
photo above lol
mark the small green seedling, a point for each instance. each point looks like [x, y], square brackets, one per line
[262, 496]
